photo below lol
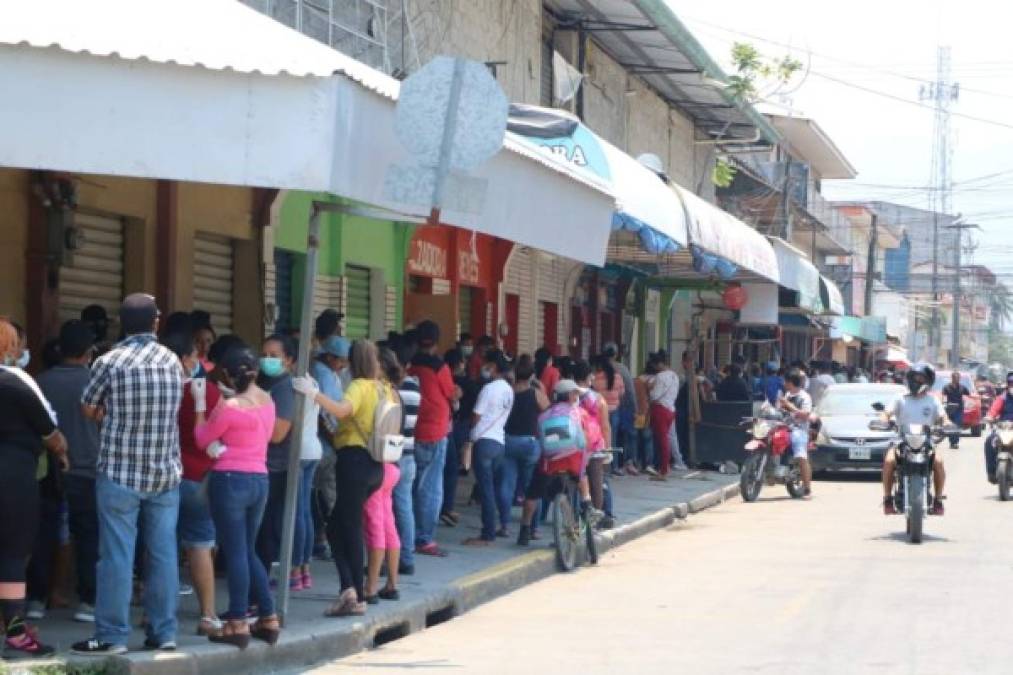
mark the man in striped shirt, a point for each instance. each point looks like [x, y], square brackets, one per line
[404, 513]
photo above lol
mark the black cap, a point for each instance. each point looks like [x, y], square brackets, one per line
[76, 339]
[327, 323]
[428, 333]
[138, 313]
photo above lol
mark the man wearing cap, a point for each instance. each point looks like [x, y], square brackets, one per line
[330, 361]
[135, 391]
[431, 429]
[62, 386]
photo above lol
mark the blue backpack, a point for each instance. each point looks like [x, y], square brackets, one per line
[559, 431]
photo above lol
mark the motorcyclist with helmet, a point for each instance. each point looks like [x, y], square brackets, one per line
[920, 408]
[1001, 410]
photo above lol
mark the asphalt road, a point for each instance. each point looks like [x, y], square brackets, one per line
[777, 586]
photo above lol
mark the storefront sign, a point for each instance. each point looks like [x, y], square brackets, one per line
[581, 150]
[427, 259]
[469, 268]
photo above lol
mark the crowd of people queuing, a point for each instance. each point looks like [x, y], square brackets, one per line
[174, 443]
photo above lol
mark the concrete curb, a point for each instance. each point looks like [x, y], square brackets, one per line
[310, 645]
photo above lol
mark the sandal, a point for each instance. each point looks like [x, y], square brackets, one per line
[389, 594]
[449, 519]
[347, 604]
[372, 599]
[267, 628]
[476, 541]
[232, 632]
[431, 549]
[209, 625]
[503, 533]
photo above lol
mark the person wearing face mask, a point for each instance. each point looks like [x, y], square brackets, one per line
[330, 361]
[277, 358]
[195, 528]
[466, 344]
[63, 385]
[27, 425]
[1001, 410]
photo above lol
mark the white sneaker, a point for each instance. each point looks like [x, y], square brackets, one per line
[85, 613]
[185, 589]
[35, 610]
[680, 467]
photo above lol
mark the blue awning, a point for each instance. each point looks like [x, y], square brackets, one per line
[644, 203]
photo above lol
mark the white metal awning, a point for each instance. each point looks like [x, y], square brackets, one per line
[833, 301]
[719, 233]
[798, 274]
[212, 91]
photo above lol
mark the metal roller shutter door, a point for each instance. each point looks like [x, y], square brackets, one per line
[283, 263]
[357, 309]
[519, 281]
[212, 279]
[92, 274]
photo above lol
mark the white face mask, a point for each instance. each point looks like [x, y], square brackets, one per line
[23, 360]
[487, 373]
[466, 351]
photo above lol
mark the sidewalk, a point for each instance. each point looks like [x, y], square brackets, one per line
[440, 589]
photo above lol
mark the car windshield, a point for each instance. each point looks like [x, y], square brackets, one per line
[844, 402]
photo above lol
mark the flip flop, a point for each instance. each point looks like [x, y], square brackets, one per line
[476, 541]
[448, 519]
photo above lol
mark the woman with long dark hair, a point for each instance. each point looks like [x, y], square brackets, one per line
[608, 383]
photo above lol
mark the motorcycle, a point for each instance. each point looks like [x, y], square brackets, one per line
[915, 451]
[770, 437]
[1002, 436]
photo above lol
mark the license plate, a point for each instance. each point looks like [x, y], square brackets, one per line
[859, 453]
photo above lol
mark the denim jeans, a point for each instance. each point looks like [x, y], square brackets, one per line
[459, 435]
[83, 512]
[615, 423]
[118, 511]
[519, 461]
[404, 515]
[269, 537]
[488, 461]
[237, 506]
[427, 491]
[305, 533]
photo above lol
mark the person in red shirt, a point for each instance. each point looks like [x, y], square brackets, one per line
[545, 370]
[431, 430]
[195, 528]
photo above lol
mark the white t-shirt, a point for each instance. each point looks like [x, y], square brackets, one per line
[803, 401]
[311, 450]
[664, 388]
[493, 408]
[917, 410]
[818, 386]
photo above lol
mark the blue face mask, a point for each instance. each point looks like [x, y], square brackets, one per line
[23, 360]
[271, 366]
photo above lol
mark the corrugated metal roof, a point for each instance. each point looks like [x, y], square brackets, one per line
[648, 41]
[213, 34]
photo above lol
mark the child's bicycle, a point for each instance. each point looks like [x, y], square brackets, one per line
[571, 528]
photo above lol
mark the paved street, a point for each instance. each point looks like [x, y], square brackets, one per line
[778, 586]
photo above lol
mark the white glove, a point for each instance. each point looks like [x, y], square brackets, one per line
[306, 386]
[216, 450]
[199, 391]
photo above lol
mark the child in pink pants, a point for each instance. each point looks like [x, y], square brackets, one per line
[381, 536]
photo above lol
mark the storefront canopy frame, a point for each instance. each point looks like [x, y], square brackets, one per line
[798, 274]
[833, 300]
[212, 91]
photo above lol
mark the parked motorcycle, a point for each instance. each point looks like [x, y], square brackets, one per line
[912, 492]
[770, 437]
[1002, 436]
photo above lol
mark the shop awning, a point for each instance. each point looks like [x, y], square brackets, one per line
[798, 274]
[830, 295]
[870, 329]
[643, 203]
[212, 91]
[715, 232]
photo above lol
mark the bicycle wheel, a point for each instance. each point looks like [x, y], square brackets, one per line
[565, 531]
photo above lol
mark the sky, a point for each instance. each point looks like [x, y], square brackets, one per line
[865, 64]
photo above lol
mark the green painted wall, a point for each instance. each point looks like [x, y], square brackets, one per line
[344, 239]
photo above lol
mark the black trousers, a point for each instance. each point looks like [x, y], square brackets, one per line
[83, 516]
[269, 536]
[19, 506]
[40, 566]
[357, 476]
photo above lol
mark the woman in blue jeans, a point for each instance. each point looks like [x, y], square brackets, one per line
[491, 412]
[522, 449]
[237, 491]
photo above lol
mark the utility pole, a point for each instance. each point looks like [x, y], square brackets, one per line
[870, 265]
[955, 351]
[941, 93]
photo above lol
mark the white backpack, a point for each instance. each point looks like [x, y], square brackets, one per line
[386, 443]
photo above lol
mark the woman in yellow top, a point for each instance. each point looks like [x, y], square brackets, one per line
[358, 475]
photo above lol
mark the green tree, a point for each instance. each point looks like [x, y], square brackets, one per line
[1001, 307]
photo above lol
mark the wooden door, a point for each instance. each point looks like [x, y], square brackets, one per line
[513, 317]
[550, 327]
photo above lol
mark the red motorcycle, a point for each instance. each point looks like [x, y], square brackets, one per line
[770, 437]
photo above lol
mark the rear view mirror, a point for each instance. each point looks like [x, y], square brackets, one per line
[878, 407]
[880, 425]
